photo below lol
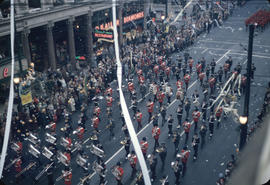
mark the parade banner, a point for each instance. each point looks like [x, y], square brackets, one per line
[26, 98]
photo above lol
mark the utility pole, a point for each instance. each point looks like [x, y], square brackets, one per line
[244, 117]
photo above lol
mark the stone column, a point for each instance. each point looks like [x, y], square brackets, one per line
[89, 36]
[21, 6]
[51, 48]
[120, 16]
[25, 45]
[46, 4]
[71, 42]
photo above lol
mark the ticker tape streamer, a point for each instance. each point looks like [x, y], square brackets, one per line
[123, 104]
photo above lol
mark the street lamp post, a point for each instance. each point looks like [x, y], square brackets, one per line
[244, 119]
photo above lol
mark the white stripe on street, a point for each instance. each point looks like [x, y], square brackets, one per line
[204, 51]
[223, 56]
[244, 54]
[233, 43]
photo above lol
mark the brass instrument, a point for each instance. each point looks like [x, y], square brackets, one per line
[160, 149]
[33, 139]
[77, 145]
[43, 171]
[155, 132]
[47, 153]
[64, 142]
[181, 155]
[164, 181]
[150, 158]
[15, 147]
[50, 139]
[109, 125]
[82, 162]
[123, 142]
[115, 172]
[82, 180]
[174, 137]
[175, 166]
[97, 151]
[26, 169]
[94, 137]
[12, 162]
[98, 169]
[50, 125]
[62, 158]
[64, 174]
[63, 129]
[32, 150]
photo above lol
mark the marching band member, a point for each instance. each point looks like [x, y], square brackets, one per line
[163, 112]
[67, 154]
[195, 145]
[212, 82]
[130, 87]
[179, 84]
[80, 131]
[109, 91]
[155, 134]
[139, 120]
[201, 77]
[101, 177]
[18, 167]
[211, 125]
[52, 127]
[156, 70]
[226, 67]
[186, 126]
[120, 173]
[213, 66]
[95, 123]
[196, 115]
[176, 140]
[190, 64]
[153, 164]
[179, 112]
[144, 146]
[184, 158]
[133, 162]
[186, 79]
[68, 138]
[97, 110]
[198, 68]
[170, 124]
[150, 109]
[141, 80]
[160, 97]
[127, 145]
[163, 154]
[177, 169]
[109, 101]
[218, 115]
[67, 175]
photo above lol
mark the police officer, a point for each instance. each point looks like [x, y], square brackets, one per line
[170, 124]
[179, 112]
[163, 154]
[213, 66]
[177, 170]
[211, 125]
[163, 114]
[153, 166]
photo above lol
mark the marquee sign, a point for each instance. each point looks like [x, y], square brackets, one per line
[127, 19]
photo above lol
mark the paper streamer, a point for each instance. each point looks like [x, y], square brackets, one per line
[123, 104]
[11, 91]
[181, 12]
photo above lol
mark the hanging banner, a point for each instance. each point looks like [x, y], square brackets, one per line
[26, 98]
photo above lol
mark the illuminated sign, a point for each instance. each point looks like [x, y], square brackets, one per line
[103, 34]
[127, 19]
[5, 72]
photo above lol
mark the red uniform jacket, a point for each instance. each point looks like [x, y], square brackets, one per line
[150, 106]
[68, 179]
[144, 146]
[199, 68]
[18, 166]
[201, 76]
[156, 68]
[186, 126]
[109, 91]
[196, 115]
[97, 111]
[190, 62]
[212, 82]
[185, 155]
[130, 86]
[179, 84]
[219, 112]
[109, 101]
[160, 96]
[95, 121]
[186, 78]
[139, 117]
[155, 132]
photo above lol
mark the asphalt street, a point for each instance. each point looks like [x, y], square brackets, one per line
[219, 44]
